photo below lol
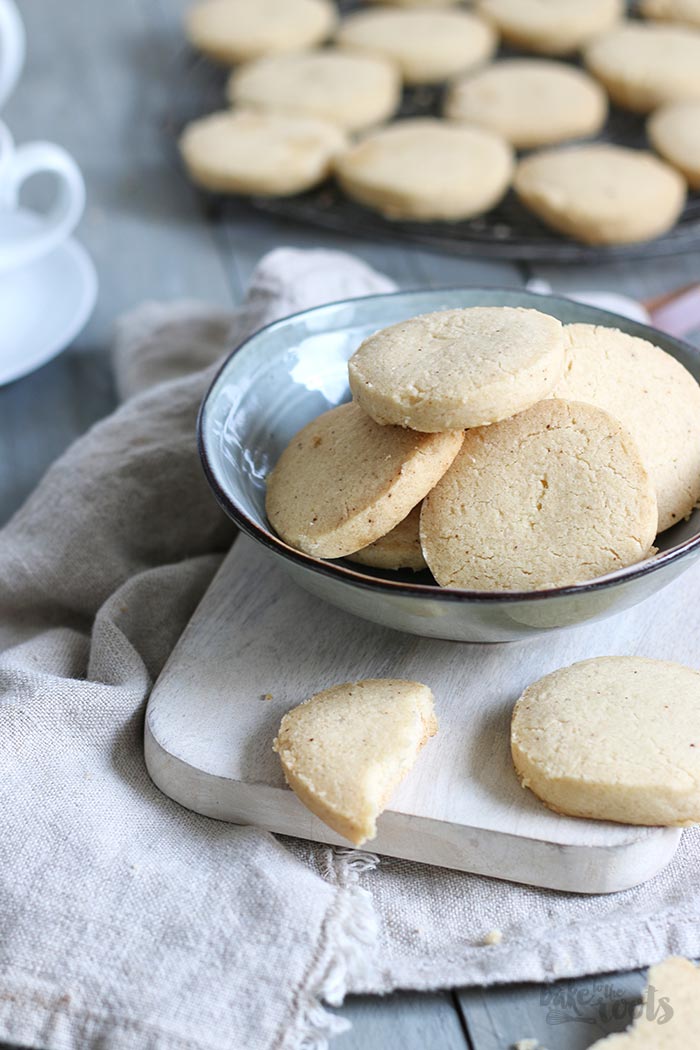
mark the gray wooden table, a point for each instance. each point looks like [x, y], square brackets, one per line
[113, 82]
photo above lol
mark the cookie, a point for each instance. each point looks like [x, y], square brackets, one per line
[428, 45]
[615, 738]
[601, 194]
[232, 31]
[687, 12]
[555, 496]
[425, 169]
[530, 102]
[344, 481]
[268, 154]
[643, 66]
[345, 750]
[653, 396]
[669, 1019]
[351, 90]
[674, 132]
[399, 549]
[551, 27]
[458, 368]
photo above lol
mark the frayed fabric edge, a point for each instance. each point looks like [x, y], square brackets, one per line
[352, 928]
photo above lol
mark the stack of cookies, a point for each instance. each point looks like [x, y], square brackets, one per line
[303, 109]
[497, 448]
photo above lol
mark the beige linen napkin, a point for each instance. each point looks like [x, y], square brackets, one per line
[125, 921]
[128, 923]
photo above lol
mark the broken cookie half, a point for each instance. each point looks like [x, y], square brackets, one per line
[345, 750]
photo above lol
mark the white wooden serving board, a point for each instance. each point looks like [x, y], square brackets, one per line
[209, 727]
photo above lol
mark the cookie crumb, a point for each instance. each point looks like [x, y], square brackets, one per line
[494, 937]
[266, 696]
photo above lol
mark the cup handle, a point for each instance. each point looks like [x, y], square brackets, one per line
[66, 209]
[12, 48]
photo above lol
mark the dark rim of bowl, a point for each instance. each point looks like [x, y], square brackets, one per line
[355, 578]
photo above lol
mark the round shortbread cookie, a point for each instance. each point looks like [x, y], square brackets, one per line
[601, 194]
[687, 12]
[458, 368]
[344, 481]
[555, 496]
[345, 750]
[530, 102]
[674, 132]
[427, 45]
[551, 27]
[653, 396]
[263, 153]
[425, 169]
[644, 66]
[399, 549]
[354, 91]
[614, 738]
[233, 31]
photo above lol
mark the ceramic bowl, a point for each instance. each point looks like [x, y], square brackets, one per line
[295, 369]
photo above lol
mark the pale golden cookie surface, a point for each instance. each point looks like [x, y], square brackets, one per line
[643, 66]
[556, 496]
[428, 45]
[458, 368]
[653, 396]
[601, 194]
[399, 549]
[551, 27]
[260, 153]
[233, 31]
[424, 169]
[687, 12]
[674, 132]
[352, 90]
[613, 738]
[343, 481]
[530, 102]
[345, 750]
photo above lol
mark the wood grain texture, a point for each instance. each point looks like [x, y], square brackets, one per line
[462, 805]
[568, 1015]
[112, 82]
[402, 1022]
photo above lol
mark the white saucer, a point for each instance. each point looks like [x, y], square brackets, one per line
[43, 307]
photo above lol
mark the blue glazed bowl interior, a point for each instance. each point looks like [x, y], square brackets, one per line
[295, 369]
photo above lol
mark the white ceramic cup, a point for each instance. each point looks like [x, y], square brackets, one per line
[12, 48]
[26, 235]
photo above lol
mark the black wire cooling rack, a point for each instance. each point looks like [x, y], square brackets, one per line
[509, 231]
